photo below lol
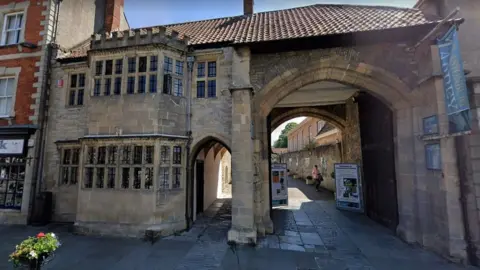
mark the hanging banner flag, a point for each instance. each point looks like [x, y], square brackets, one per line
[455, 85]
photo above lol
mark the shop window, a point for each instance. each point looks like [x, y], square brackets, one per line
[12, 179]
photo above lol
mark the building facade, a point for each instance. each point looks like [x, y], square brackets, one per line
[314, 142]
[132, 111]
[29, 28]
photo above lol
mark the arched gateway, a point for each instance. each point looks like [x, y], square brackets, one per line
[141, 110]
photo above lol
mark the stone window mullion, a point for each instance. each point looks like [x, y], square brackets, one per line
[124, 76]
[171, 167]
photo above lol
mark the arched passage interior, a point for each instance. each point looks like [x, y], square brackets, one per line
[368, 126]
[210, 175]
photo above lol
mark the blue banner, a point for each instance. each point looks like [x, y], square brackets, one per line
[455, 85]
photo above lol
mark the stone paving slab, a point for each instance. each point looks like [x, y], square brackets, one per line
[309, 234]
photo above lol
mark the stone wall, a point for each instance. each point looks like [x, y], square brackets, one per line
[301, 163]
[226, 172]
[213, 116]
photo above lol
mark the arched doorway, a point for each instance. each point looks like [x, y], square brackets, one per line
[209, 179]
[374, 92]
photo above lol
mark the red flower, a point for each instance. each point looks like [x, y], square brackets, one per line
[40, 235]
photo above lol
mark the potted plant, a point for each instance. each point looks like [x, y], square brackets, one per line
[34, 252]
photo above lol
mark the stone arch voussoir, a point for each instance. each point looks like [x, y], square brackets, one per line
[378, 82]
[199, 143]
[333, 119]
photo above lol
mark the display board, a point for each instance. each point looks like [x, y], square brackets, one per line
[279, 184]
[348, 187]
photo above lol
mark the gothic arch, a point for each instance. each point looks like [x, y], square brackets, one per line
[331, 118]
[378, 82]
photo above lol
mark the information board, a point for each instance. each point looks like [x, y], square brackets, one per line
[279, 184]
[348, 187]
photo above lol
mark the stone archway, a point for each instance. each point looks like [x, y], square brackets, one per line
[335, 120]
[218, 145]
[380, 83]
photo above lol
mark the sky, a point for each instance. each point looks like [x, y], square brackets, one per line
[142, 13]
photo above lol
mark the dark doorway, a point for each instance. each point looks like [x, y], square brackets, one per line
[200, 169]
[380, 189]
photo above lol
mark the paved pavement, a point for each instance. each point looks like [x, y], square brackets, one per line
[310, 234]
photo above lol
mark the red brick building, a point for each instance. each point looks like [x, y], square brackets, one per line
[29, 30]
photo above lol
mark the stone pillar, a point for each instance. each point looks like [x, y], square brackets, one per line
[351, 135]
[243, 229]
[451, 180]
[405, 170]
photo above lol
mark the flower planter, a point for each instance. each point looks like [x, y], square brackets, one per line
[35, 252]
[35, 264]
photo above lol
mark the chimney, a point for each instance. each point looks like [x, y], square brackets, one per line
[113, 15]
[247, 7]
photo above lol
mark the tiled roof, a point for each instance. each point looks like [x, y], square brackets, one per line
[316, 20]
[309, 21]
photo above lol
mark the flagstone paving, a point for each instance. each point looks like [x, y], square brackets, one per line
[310, 234]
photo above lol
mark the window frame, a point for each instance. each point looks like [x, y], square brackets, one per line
[70, 166]
[119, 165]
[9, 113]
[177, 86]
[76, 88]
[21, 30]
[206, 78]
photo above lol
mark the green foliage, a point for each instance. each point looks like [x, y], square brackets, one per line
[34, 249]
[310, 145]
[282, 141]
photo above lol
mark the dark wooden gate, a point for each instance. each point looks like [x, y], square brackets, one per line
[376, 129]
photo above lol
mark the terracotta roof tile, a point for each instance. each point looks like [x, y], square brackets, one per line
[316, 20]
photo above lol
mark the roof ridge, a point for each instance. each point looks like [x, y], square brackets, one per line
[277, 10]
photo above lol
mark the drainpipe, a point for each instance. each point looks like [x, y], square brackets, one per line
[42, 116]
[189, 169]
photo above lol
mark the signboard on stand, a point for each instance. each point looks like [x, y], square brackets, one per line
[279, 184]
[348, 187]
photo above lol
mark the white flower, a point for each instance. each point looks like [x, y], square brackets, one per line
[33, 254]
[53, 235]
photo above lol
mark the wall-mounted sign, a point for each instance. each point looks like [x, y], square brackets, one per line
[60, 83]
[430, 125]
[433, 157]
[12, 146]
[279, 184]
[348, 187]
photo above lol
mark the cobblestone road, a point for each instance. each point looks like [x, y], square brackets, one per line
[310, 234]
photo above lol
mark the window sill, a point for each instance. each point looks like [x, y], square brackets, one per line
[74, 106]
[10, 210]
[171, 191]
[118, 190]
[6, 117]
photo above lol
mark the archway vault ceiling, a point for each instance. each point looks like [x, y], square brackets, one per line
[318, 94]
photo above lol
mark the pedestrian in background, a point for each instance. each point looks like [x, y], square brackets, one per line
[317, 177]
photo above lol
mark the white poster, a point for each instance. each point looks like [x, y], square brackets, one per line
[12, 146]
[348, 186]
[279, 184]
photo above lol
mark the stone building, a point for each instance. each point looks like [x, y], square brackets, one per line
[29, 28]
[156, 101]
[314, 142]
